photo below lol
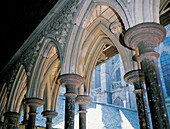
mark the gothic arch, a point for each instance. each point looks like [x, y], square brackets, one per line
[86, 44]
[3, 101]
[46, 61]
[43, 81]
[18, 91]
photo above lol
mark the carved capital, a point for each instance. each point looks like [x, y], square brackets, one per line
[12, 117]
[151, 33]
[134, 76]
[145, 37]
[83, 100]
[71, 95]
[49, 114]
[71, 80]
[34, 102]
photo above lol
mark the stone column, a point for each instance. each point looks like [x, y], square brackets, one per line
[83, 101]
[49, 115]
[136, 78]
[145, 37]
[71, 82]
[12, 119]
[26, 117]
[33, 103]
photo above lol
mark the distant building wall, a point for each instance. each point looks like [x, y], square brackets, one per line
[112, 84]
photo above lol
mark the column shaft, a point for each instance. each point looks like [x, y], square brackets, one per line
[32, 117]
[136, 78]
[49, 115]
[145, 37]
[83, 101]
[82, 116]
[49, 123]
[33, 103]
[71, 82]
[142, 109]
[157, 108]
[69, 111]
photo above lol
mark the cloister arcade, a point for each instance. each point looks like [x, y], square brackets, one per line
[65, 48]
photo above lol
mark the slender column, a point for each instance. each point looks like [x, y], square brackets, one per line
[83, 101]
[71, 82]
[12, 119]
[25, 120]
[49, 115]
[145, 37]
[33, 103]
[136, 78]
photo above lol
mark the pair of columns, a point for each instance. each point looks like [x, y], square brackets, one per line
[71, 82]
[144, 38]
[33, 104]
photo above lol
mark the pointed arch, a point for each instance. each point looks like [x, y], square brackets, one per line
[3, 101]
[47, 60]
[86, 45]
[43, 81]
[18, 91]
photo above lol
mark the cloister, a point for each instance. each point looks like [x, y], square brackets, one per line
[65, 48]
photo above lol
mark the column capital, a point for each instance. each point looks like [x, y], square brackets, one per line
[134, 76]
[12, 118]
[34, 102]
[83, 100]
[11, 115]
[74, 80]
[49, 114]
[150, 32]
[145, 37]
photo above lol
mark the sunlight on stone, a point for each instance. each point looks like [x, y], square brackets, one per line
[125, 123]
[59, 126]
[94, 118]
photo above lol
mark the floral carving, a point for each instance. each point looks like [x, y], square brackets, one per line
[62, 23]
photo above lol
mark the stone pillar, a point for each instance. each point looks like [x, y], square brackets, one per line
[49, 115]
[71, 82]
[83, 101]
[145, 37]
[26, 117]
[12, 120]
[33, 103]
[136, 78]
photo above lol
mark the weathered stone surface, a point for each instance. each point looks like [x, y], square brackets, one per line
[12, 119]
[83, 101]
[136, 78]
[71, 82]
[33, 103]
[145, 37]
[49, 115]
